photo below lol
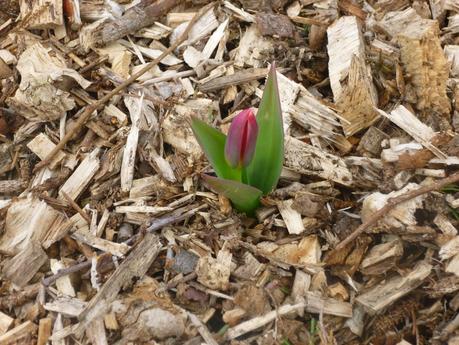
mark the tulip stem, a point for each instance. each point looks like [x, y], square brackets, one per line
[244, 175]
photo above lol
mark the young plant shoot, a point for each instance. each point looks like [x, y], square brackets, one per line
[248, 161]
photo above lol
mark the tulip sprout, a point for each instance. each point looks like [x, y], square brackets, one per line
[248, 161]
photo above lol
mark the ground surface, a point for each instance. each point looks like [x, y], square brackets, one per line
[111, 237]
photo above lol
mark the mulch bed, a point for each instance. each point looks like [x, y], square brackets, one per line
[108, 234]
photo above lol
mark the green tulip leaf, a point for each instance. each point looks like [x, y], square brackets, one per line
[264, 170]
[245, 198]
[212, 142]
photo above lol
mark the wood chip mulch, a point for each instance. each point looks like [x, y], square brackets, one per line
[109, 236]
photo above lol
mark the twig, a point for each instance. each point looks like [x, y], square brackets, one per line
[202, 329]
[210, 291]
[259, 321]
[65, 271]
[93, 64]
[308, 268]
[177, 75]
[12, 186]
[162, 222]
[75, 206]
[237, 78]
[99, 103]
[184, 279]
[176, 216]
[391, 203]
[145, 13]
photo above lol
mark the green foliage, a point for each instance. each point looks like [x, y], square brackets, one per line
[285, 341]
[256, 150]
[244, 197]
[451, 188]
[454, 212]
[223, 330]
[212, 141]
[266, 166]
[313, 331]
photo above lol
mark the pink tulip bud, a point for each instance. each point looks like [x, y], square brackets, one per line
[241, 139]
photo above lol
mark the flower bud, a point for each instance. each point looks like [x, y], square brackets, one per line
[241, 139]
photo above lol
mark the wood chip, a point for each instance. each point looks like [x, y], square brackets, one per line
[79, 180]
[23, 332]
[389, 292]
[292, 218]
[5, 323]
[309, 160]
[25, 264]
[351, 83]
[406, 120]
[41, 145]
[419, 42]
